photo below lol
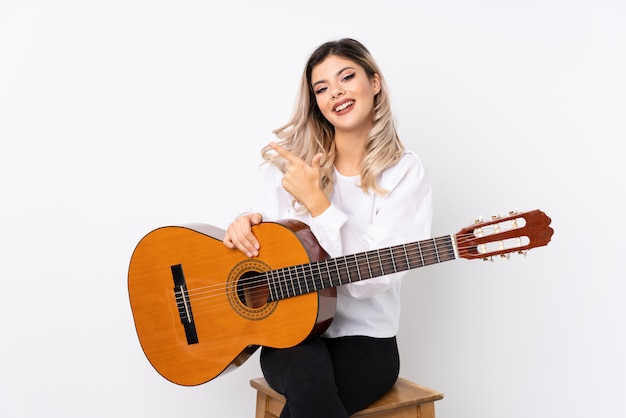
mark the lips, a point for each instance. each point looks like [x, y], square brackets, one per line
[343, 105]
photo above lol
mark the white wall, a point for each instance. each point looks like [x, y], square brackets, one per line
[118, 117]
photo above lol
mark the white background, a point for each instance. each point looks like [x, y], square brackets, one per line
[117, 117]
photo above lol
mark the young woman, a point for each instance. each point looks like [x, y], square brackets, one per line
[340, 167]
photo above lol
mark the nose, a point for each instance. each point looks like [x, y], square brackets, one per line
[338, 91]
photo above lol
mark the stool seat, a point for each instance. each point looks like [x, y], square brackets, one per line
[405, 399]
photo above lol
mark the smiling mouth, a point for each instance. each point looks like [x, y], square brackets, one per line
[344, 106]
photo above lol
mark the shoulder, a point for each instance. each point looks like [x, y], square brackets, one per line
[408, 166]
[409, 160]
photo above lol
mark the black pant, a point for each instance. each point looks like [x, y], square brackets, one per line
[331, 377]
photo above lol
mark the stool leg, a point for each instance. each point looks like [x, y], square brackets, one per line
[261, 405]
[426, 410]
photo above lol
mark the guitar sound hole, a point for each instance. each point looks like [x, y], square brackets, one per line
[251, 291]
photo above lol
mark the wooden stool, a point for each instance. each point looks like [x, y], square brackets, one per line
[404, 400]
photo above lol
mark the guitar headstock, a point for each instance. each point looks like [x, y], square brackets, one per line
[516, 232]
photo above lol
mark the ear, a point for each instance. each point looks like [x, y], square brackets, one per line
[376, 84]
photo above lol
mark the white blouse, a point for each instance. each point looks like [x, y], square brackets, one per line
[355, 222]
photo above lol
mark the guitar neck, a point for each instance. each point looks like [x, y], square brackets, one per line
[333, 272]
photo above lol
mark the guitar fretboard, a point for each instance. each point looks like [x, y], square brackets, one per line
[311, 277]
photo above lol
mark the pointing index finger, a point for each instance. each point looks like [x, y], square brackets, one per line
[285, 153]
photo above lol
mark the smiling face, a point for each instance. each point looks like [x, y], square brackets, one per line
[345, 94]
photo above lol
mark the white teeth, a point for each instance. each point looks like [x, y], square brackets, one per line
[343, 106]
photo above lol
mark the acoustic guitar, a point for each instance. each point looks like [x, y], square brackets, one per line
[201, 309]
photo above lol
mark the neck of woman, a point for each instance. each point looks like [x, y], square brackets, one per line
[350, 152]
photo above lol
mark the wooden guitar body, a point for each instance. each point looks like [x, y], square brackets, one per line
[228, 312]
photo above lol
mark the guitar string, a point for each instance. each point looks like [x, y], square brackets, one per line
[350, 258]
[202, 298]
[353, 261]
[204, 301]
[461, 239]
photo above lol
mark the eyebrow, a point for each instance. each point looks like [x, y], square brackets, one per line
[338, 73]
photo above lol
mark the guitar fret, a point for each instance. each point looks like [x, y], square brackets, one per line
[419, 249]
[406, 257]
[318, 275]
[293, 277]
[299, 281]
[280, 282]
[338, 273]
[398, 254]
[387, 260]
[430, 255]
[305, 289]
[393, 261]
[446, 243]
[310, 277]
[423, 252]
[380, 262]
[330, 282]
[306, 282]
[313, 281]
[320, 268]
[275, 284]
[288, 281]
[356, 264]
[272, 285]
[320, 271]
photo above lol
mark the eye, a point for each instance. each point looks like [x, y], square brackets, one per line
[321, 90]
[348, 77]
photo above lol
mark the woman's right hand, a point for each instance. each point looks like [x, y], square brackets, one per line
[239, 234]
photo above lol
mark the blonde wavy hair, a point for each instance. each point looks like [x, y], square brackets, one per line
[309, 133]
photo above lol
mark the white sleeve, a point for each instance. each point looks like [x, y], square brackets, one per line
[403, 215]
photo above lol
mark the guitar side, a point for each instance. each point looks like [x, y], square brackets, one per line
[197, 308]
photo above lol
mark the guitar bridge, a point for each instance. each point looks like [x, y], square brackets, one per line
[184, 305]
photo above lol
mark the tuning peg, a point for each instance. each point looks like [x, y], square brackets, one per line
[507, 256]
[488, 259]
[523, 252]
[495, 217]
[513, 212]
[479, 220]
